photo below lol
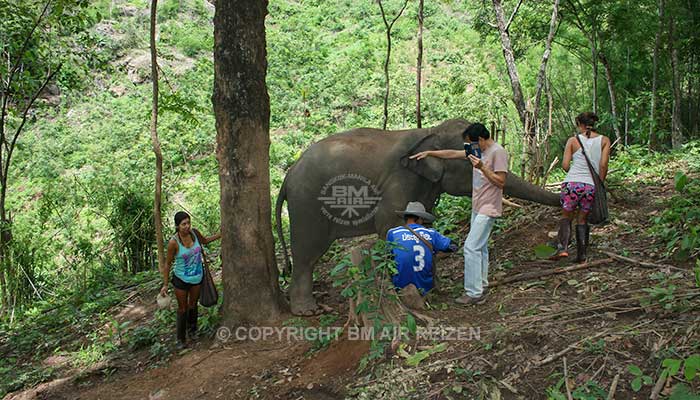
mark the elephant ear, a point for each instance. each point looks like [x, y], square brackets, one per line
[430, 168]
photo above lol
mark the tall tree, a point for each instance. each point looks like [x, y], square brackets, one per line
[541, 74]
[29, 60]
[419, 62]
[529, 118]
[157, 215]
[676, 124]
[508, 55]
[653, 136]
[611, 92]
[242, 111]
[388, 25]
[593, 43]
[593, 36]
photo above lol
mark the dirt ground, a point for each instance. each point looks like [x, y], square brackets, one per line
[581, 329]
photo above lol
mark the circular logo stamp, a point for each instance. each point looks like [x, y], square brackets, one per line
[349, 199]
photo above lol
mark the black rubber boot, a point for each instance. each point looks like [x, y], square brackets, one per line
[181, 330]
[581, 243]
[564, 237]
[588, 235]
[192, 322]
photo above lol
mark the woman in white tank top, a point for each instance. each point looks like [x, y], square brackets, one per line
[578, 188]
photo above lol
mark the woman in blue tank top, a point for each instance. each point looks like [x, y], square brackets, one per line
[578, 188]
[185, 252]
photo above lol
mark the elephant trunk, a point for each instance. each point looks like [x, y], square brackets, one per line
[519, 188]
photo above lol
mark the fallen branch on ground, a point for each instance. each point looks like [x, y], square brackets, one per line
[548, 272]
[613, 387]
[634, 299]
[568, 348]
[566, 381]
[658, 387]
[640, 263]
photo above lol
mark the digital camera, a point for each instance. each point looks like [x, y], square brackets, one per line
[473, 149]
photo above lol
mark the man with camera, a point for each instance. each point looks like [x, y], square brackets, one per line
[490, 165]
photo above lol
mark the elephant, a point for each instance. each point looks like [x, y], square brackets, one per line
[351, 183]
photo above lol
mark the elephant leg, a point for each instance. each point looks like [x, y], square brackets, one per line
[308, 246]
[386, 219]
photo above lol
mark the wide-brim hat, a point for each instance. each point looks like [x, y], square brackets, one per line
[416, 208]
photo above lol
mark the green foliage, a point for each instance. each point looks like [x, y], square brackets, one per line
[368, 284]
[414, 359]
[637, 164]
[683, 392]
[663, 293]
[678, 225]
[544, 251]
[117, 330]
[141, 337]
[590, 390]
[40, 331]
[690, 366]
[597, 347]
[639, 378]
[670, 367]
[134, 230]
[452, 211]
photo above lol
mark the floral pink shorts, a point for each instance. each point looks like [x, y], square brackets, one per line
[577, 194]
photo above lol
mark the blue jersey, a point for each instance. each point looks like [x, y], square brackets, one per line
[414, 260]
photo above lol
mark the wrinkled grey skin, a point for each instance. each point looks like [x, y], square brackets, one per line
[382, 157]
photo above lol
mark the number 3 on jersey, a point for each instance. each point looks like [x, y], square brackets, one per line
[420, 258]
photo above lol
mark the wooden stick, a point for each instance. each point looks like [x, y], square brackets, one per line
[613, 387]
[568, 348]
[566, 381]
[658, 386]
[548, 272]
[640, 263]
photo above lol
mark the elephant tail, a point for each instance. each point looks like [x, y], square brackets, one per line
[281, 197]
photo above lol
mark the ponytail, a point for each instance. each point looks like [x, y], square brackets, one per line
[588, 119]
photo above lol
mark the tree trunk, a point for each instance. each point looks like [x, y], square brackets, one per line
[388, 27]
[689, 75]
[419, 62]
[627, 103]
[611, 91]
[676, 125]
[627, 123]
[545, 57]
[594, 56]
[157, 215]
[518, 98]
[653, 137]
[3, 284]
[538, 144]
[5, 234]
[242, 111]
